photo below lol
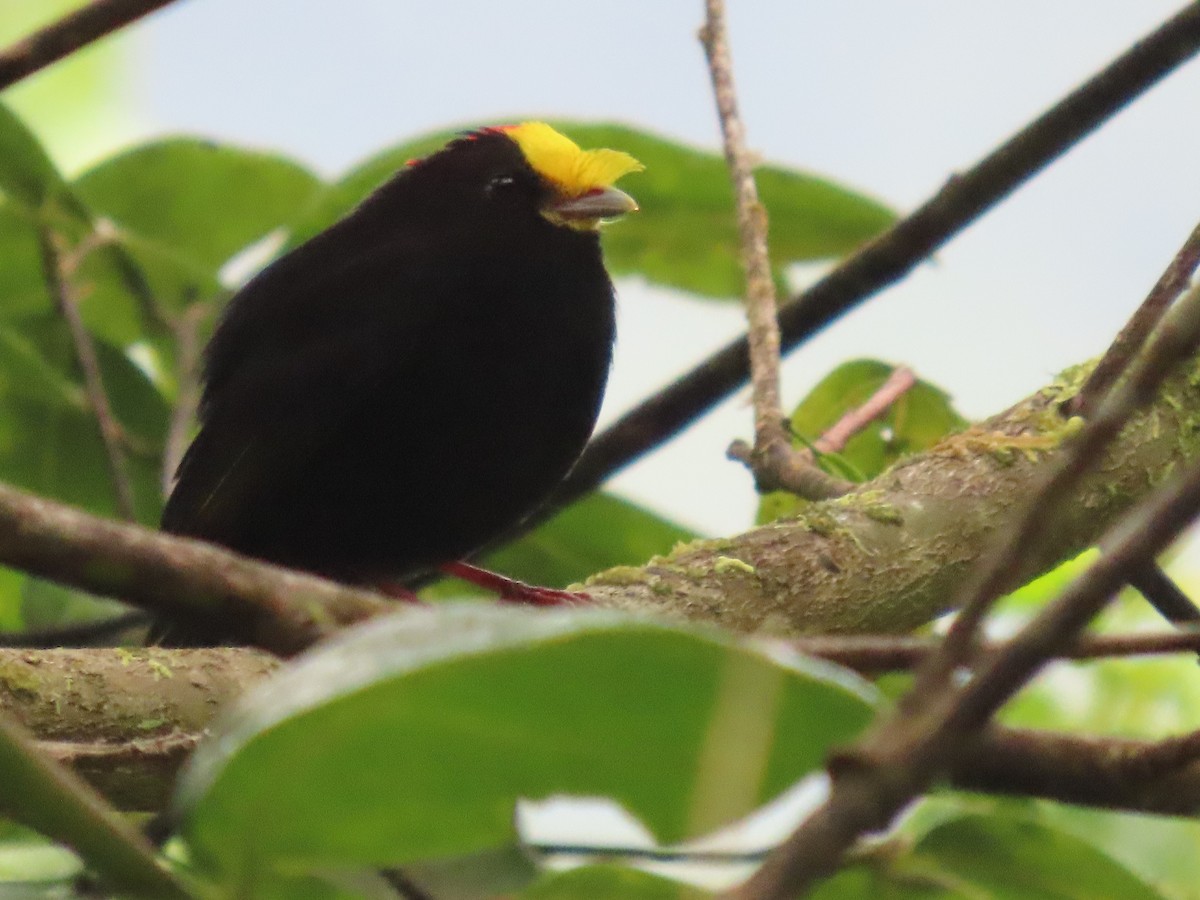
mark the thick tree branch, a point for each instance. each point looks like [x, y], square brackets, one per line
[894, 553]
[285, 611]
[885, 558]
[68, 34]
[90, 709]
[1104, 772]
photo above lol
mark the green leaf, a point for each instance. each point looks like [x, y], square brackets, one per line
[27, 175]
[22, 282]
[917, 420]
[115, 282]
[11, 616]
[596, 533]
[49, 605]
[36, 865]
[412, 737]
[609, 883]
[1005, 852]
[54, 448]
[26, 373]
[1161, 849]
[203, 201]
[122, 279]
[1016, 858]
[685, 235]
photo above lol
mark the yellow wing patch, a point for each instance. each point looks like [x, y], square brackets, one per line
[560, 160]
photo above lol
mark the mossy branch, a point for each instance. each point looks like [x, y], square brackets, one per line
[889, 556]
[885, 558]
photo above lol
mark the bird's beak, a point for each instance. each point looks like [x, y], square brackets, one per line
[588, 210]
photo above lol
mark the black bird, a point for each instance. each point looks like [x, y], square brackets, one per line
[408, 384]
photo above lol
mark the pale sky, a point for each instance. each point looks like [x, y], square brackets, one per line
[889, 97]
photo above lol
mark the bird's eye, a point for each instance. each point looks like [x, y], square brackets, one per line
[501, 184]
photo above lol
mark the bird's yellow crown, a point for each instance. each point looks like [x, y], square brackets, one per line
[560, 160]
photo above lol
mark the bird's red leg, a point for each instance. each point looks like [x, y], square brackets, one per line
[510, 590]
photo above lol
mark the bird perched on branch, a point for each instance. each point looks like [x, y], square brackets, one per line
[413, 381]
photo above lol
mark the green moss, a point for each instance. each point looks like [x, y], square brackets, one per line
[724, 565]
[1193, 377]
[819, 522]
[886, 513]
[617, 576]
[1069, 382]
[708, 545]
[19, 679]
[159, 669]
[1163, 473]
[871, 504]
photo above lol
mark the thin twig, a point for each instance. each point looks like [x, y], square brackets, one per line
[877, 654]
[1137, 330]
[188, 348]
[931, 733]
[1165, 595]
[801, 475]
[59, 273]
[891, 256]
[834, 440]
[68, 34]
[769, 459]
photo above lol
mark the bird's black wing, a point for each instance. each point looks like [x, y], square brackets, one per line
[294, 355]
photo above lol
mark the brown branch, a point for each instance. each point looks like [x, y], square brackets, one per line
[1137, 330]
[893, 255]
[281, 610]
[861, 563]
[932, 732]
[68, 34]
[59, 272]
[774, 464]
[1157, 777]
[796, 471]
[136, 775]
[876, 654]
[1164, 595]
[896, 551]
[835, 439]
[752, 230]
